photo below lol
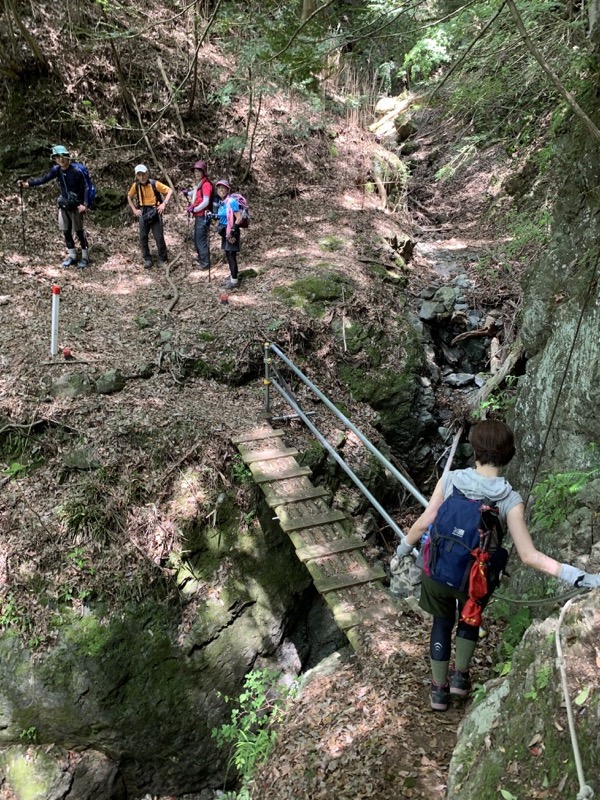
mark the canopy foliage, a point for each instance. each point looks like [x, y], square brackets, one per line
[347, 53]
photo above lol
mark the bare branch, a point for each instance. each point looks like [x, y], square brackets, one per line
[294, 35]
[564, 93]
[457, 64]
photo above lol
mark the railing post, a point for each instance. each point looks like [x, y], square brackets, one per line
[267, 382]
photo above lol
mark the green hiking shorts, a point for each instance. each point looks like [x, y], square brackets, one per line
[440, 600]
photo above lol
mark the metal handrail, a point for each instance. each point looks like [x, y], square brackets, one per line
[271, 370]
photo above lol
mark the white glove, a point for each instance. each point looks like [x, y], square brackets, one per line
[579, 578]
[404, 550]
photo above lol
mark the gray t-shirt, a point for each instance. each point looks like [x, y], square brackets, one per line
[476, 487]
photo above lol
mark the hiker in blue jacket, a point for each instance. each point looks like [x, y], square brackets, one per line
[229, 217]
[73, 202]
[493, 445]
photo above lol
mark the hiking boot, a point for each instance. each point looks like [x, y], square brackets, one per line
[147, 263]
[460, 682]
[83, 263]
[439, 697]
[69, 262]
[202, 266]
[230, 283]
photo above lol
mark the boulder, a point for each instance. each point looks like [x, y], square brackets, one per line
[144, 687]
[72, 384]
[110, 382]
[523, 715]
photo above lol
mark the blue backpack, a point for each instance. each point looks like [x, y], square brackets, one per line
[88, 181]
[461, 526]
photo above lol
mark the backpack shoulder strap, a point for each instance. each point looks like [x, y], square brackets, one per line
[157, 194]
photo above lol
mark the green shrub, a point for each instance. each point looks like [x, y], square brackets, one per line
[250, 731]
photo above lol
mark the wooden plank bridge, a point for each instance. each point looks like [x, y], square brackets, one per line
[323, 538]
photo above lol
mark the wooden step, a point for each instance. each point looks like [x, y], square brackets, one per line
[329, 548]
[335, 582]
[256, 436]
[309, 521]
[295, 497]
[251, 457]
[282, 475]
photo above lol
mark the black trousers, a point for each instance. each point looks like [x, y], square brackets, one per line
[156, 226]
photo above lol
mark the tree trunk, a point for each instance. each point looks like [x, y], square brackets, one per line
[10, 10]
[308, 8]
[593, 14]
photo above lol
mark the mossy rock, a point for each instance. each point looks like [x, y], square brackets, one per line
[247, 273]
[314, 293]
[314, 456]
[72, 385]
[331, 243]
[405, 128]
[524, 707]
[393, 392]
[32, 774]
[110, 382]
[361, 338]
[391, 170]
[393, 274]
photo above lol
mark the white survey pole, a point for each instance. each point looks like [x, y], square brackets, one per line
[55, 309]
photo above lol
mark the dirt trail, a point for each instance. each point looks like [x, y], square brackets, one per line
[364, 731]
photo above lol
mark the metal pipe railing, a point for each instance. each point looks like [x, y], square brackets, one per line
[335, 455]
[270, 347]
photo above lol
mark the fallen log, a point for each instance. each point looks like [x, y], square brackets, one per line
[514, 354]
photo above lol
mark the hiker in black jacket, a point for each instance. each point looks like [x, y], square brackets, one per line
[72, 202]
[494, 446]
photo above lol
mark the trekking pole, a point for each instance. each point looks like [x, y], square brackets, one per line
[208, 242]
[22, 215]
[187, 240]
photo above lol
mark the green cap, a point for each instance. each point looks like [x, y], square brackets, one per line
[59, 150]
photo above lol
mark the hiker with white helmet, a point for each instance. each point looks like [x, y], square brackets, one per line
[200, 199]
[230, 217]
[148, 199]
[73, 202]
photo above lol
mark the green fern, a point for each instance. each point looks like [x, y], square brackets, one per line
[556, 496]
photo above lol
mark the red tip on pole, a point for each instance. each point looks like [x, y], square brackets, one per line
[55, 289]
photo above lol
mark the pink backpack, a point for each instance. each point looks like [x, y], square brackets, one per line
[244, 208]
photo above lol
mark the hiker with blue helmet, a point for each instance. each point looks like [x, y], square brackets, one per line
[229, 218]
[480, 494]
[73, 202]
[148, 199]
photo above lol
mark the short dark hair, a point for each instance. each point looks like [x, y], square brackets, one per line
[493, 442]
